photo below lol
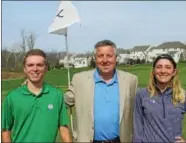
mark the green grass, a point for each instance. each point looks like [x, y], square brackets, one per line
[59, 78]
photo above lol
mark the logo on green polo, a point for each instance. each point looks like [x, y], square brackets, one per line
[50, 106]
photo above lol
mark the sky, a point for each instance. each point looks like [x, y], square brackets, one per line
[127, 23]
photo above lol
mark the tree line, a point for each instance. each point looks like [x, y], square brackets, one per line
[12, 56]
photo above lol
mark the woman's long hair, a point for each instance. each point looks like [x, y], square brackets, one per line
[178, 94]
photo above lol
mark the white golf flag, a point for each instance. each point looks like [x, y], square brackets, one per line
[67, 15]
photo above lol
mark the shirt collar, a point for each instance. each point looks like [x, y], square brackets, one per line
[97, 77]
[44, 90]
[167, 91]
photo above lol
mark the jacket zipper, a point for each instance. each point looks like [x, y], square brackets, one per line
[163, 101]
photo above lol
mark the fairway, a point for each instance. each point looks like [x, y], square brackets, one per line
[58, 78]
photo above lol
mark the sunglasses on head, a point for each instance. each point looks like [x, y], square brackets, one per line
[165, 56]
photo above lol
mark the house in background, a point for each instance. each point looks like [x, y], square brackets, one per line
[122, 58]
[75, 60]
[70, 61]
[148, 53]
[80, 61]
[175, 49]
[139, 52]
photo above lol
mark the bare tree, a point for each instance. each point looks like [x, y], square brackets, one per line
[17, 52]
[6, 54]
[31, 39]
[23, 40]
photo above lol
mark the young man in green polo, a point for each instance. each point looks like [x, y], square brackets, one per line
[35, 111]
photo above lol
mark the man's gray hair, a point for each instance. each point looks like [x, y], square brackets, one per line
[105, 43]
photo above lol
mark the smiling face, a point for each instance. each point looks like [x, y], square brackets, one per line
[105, 59]
[35, 68]
[164, 71]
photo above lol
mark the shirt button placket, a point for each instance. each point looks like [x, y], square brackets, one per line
[106, 93]
[36, 102]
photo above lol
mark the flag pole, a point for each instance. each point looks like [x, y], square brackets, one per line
[68, 72]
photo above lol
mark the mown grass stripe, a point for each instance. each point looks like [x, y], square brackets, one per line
[11, 79]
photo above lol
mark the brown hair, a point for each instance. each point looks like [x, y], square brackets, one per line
[36, 52]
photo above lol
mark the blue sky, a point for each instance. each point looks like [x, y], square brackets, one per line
[126, 23]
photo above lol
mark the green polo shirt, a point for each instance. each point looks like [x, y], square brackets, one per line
[32, 118]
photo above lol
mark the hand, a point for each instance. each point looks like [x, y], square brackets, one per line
[180, 140]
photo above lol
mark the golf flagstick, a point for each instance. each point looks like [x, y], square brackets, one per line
[66, 16]
[68, 75]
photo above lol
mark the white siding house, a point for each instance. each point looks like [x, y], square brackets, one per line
[76, 60]
[80, 62]
[64, 60]
[122, 58]
[175, 49]
[139, 52]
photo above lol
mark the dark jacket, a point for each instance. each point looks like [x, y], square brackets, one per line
[157, 119]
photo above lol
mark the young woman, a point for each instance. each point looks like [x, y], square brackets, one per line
[159, 108]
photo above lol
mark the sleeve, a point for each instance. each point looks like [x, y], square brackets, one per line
[138, 119]
[133, 89]
[63, 117]
[70, 94]
[7, 115]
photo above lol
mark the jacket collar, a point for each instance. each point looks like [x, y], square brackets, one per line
[97, 77]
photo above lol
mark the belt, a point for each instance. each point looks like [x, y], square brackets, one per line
[115, 140]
